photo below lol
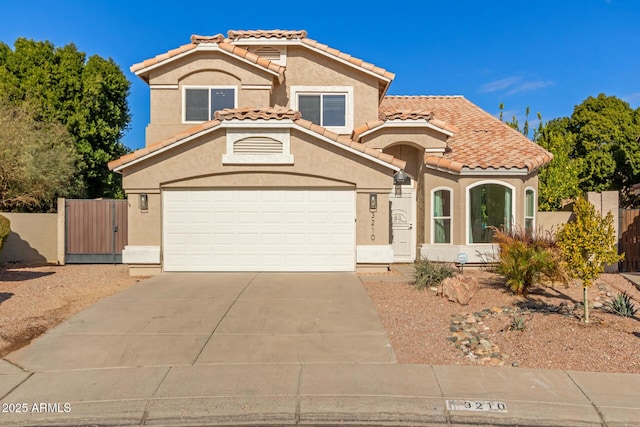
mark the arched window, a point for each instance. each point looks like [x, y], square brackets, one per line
[441, 214]
[489, 205]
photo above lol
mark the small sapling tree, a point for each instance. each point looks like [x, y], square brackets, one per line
[587, 246]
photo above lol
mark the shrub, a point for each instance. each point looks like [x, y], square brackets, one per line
[518, 323]
[587, 246]
[5, 229]
[621, 305]
[525, 259]
[429, 273]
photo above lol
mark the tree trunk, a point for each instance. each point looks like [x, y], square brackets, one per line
[586, 304]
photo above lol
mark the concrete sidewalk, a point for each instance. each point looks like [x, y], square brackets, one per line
[274, 349]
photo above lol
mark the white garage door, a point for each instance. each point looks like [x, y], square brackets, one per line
[258, 230]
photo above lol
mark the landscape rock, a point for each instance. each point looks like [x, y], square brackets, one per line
[458, 288]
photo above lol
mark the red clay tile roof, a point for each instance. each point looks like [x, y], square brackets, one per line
[127, 158]
[272, 113]
[222, 44]
[277, 113]
[238, 35]
[405, 114]
[402, 114]
[346, 57]
[481, 140]
[266, 34]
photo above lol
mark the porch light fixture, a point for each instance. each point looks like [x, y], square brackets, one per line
[143, 201]
[373, 201]
[400, 177]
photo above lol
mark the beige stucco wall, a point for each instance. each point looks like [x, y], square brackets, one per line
[201, 69]
[255, 87]
[308, 68]
[33, 238]
[198, 164]
[550, 221]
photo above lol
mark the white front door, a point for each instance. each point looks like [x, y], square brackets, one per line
[402, 224]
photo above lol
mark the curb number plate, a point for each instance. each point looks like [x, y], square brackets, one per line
[476, 405]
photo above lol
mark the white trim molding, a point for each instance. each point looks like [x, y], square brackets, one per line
[164, 87]
[432, 219]
[413, 123]
[374, 254]
[141, 255]
[449, 253]
[209, 88]
[327, 90]
[535, 207]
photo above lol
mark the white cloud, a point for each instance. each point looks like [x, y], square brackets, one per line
[529, 86]
[513, 85]
[499, 84]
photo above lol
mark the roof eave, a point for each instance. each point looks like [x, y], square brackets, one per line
[201, 47]
[409, 123]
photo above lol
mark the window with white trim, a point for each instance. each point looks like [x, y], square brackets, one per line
[529, 210]
[490, 205]
[324, 109]
[200, 103]
[441, 213]
[327, 106]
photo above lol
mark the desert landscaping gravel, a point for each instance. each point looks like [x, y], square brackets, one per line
[420, 325]
[34, 299]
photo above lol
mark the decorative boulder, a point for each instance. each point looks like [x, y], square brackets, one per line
[458, 288]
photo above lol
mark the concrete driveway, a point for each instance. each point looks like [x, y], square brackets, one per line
[273, 349]
[207, 318]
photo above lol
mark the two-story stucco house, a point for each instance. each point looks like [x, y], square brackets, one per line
[269, 151]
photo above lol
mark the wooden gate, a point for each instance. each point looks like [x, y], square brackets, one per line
[95, 231]
[630, 239]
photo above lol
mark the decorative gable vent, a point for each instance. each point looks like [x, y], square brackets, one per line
[273, 54]
[258, 145]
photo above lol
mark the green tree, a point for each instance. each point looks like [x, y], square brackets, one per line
[37, 161]
[558, 181]
[89, 97]
[606, 132]
[514, 120]
[587, 246]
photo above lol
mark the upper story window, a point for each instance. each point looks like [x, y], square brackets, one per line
[323, 109]
[201, 102]
[327, 106]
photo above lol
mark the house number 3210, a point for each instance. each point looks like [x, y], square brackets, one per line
[373, 225]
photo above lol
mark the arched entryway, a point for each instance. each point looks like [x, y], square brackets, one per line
[404, 215]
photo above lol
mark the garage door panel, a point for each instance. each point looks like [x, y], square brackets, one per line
[258, 230]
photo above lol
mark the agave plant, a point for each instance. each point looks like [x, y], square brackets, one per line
[621, 305]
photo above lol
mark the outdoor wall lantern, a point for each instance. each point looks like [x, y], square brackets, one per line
[373, 201]
[143, 201]
[400, 177]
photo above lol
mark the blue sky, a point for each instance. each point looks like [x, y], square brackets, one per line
[549, 55]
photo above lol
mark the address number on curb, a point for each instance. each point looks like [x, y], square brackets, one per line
[476, 405]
